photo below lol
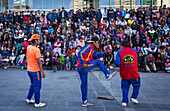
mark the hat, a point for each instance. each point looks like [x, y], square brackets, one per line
[32, 24]
[20, 30]
[35, 36]
[93, 39]
[25, 39]
[62, 55]
[149, 23]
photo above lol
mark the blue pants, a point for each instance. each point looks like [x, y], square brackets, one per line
[84, 74]
[35, 87]
[125, 85]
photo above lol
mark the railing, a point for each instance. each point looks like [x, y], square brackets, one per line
[27, 11]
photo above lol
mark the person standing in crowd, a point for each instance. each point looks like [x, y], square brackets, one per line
[34, 69]
[126, 59]
[110, 14]
[63, 14]
[85, 64]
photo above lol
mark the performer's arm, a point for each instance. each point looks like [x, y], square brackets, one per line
[96, 55]
[38, 57]
[83, 51]
[40, 66]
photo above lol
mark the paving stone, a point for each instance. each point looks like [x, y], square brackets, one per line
[61, 92]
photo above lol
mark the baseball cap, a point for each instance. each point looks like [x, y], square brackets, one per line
[93, 39]
[25, 39]
[35, 36]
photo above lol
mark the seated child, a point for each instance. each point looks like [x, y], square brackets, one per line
[62, 60]
[167, 65]
[67, 63]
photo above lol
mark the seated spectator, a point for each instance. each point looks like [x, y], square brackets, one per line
[5, 53]
[73, 59]
[73, 43]
[13, 55]
[70, 50]
[128, 30]
[124, 24]
[47, 60]
[159, 62]
[81, 42]
[48, 49]
[108, 58]
[65, 44]
[153, 48]
[167, 65]
[165, 43]
[162, 51]
[56, 62]
[130, 21]
[82, 27]
[78, 49]
[166, 28]
[67, 63]
[151, 32]
[134, 28]
[150, 63]
[62, 62]
[21, 59]
[64, 52]
[57, 46]
[141, 61]
[25, 43]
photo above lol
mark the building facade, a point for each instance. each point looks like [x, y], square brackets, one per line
[77, 4]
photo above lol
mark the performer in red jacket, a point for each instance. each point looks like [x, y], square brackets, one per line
[86, 63]
[126, 59]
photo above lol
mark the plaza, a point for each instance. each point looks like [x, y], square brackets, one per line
[61, 92]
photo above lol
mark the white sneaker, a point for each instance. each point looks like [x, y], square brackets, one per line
[39, 105]
[135, 101]
[124, 104]
[30, 101]
[111, 75]
[111, 67]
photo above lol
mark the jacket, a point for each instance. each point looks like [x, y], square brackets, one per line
[87, 53]
[126, 58]
[62, 60]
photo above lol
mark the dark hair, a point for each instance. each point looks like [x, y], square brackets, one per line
[125, 44]
[33, 41]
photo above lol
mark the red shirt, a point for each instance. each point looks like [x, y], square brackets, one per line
[127, 60]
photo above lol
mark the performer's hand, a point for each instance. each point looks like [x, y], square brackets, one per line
[85, 67]
[43, 75]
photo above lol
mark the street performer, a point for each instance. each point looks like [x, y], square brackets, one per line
[34, 69]
[126, 59]
[86, 63]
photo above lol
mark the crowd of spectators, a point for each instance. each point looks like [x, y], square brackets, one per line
[64, 33]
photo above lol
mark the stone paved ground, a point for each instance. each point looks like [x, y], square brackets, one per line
[61, 92]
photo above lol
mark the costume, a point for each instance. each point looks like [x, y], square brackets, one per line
[126, 59]
[85, 55]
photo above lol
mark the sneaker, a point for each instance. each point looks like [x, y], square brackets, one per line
[22, 67]
[111, 67]
[30, 101]
[135, 101]
[124, 104]
[40, 105]
[111, 75]
[87, 103]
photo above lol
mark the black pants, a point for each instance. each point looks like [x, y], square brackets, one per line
[56, 64]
